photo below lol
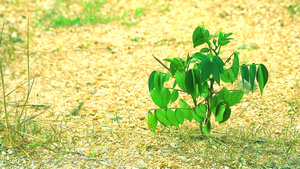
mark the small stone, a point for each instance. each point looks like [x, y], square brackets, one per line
[186, 148]
[7, 72]
[38, 34]
[93, 91]
[115, 50]
[14, 35]
[278, 131]
[92, 113]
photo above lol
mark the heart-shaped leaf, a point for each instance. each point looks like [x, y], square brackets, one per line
[206, 68]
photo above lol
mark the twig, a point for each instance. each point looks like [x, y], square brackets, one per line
[16, 87]
[29, 91]
[21, 149]
[161, 63]
[82, 158]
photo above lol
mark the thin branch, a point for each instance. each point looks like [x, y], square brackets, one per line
[228, 59]
[29, 91]
[2, 33]
[16, 87]
[161, 63]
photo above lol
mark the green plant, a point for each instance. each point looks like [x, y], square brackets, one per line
[196, 76]
[293, 9]
[129, 23]
[139, 11]
[59, 15]
[165, 9]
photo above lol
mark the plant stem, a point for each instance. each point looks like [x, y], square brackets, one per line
[4, 99]
[28, 73]
[195, 102]
[218, 50]
[211, 91]
[161, 63]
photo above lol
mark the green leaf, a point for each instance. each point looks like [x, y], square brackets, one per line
[204, 50]
[172, 118]
[220, 38]
[190, 81]
[207, 127]
[219, 63]
[201, 110]
[206, 68]
[180, 79]
[158, 81]
[152, 122]
[177, 64]
[161, 99]
[214, 102]
[174, 84]
[198, 82]
[235, 64]
[174, 96]
[262, 77]
[166, 77]
[151, 80]
[197, 118]
[179, 116]
[252, 75]
[231, 98]
[225, 76]
[198, 36]
[187, 113]
[199, 55]
[215, 72]
[161, 115]
[226, 115]
[224, 43]
[199, 42]
[188, 58]
[229, 75]
[220, 111]
[205, 91]
[227, 34]
[217, 68]
[232, 75]
[206, 33]
[170, 60]
[193, 82]
[245, 73]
